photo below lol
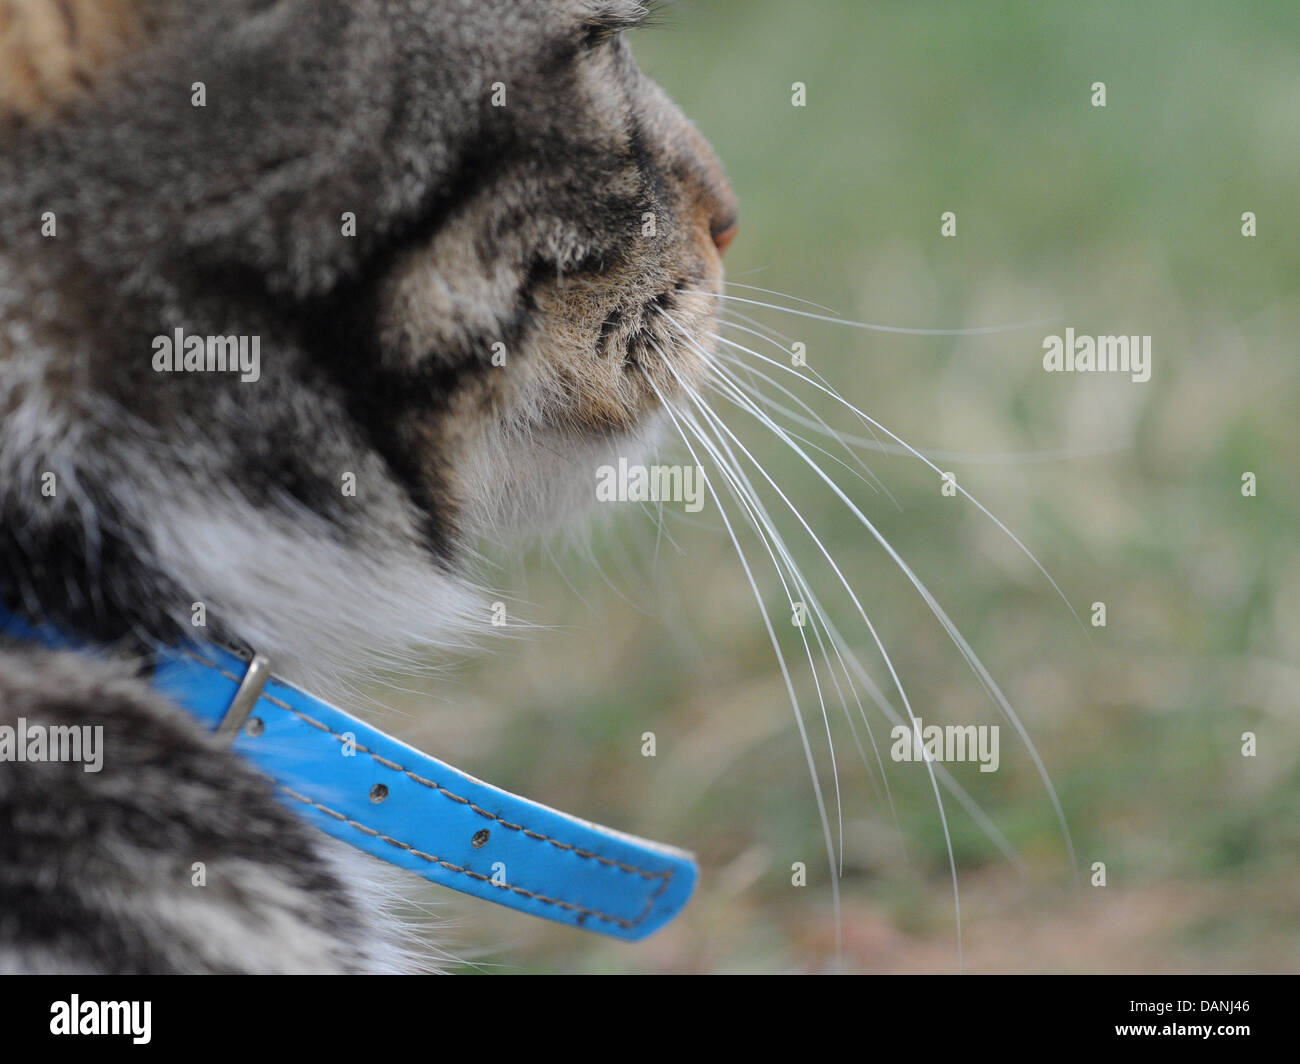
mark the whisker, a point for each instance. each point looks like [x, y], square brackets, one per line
[815, 615]
[768, 534]
[743, 490]
[795, 398]
[834, 458]
[565, 577]
[729, 315]
[783, 295]
[898, 683]
[594, 562]
[971, 658]
[768, 339]
[917, 454]
[875, 443]
[819, 422]
[749, 273]
[982, 330]
[781, 662]
[967, 457]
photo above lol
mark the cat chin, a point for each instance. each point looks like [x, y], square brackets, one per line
[544, 483]
[327, 609]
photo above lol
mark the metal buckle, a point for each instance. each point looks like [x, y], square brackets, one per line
[250, 690]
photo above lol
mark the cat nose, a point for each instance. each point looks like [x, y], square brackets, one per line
[711, 201]
[715, 200]
[724, 234]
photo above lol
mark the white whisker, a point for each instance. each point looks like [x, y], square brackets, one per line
[971, 658]
[917, 454]
[767, 534]
[983, 330]
[849, 440]
[897, 680]
[783, 295]
[781, 662]
[815, 612]
[763, 336]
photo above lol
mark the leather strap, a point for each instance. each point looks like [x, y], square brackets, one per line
[390, 800]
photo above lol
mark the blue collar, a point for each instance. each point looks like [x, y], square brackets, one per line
[391, 801]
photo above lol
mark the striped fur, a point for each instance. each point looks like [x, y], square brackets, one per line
[480, 230]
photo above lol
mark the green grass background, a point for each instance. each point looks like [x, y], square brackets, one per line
[1117, 220]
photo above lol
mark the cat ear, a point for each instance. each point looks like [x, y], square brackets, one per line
[51, 51]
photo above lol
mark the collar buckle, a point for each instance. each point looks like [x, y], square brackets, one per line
[250, 690]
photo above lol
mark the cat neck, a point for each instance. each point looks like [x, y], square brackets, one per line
[120, 531]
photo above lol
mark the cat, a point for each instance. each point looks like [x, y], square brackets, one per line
[455, 233]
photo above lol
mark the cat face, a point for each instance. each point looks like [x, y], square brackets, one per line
[477, 245]
[570, 289]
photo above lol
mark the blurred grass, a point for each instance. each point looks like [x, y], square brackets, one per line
[1117, 220]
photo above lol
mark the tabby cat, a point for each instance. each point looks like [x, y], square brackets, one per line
[446, 229]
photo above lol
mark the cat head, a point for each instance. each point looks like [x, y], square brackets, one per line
[476, 245]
